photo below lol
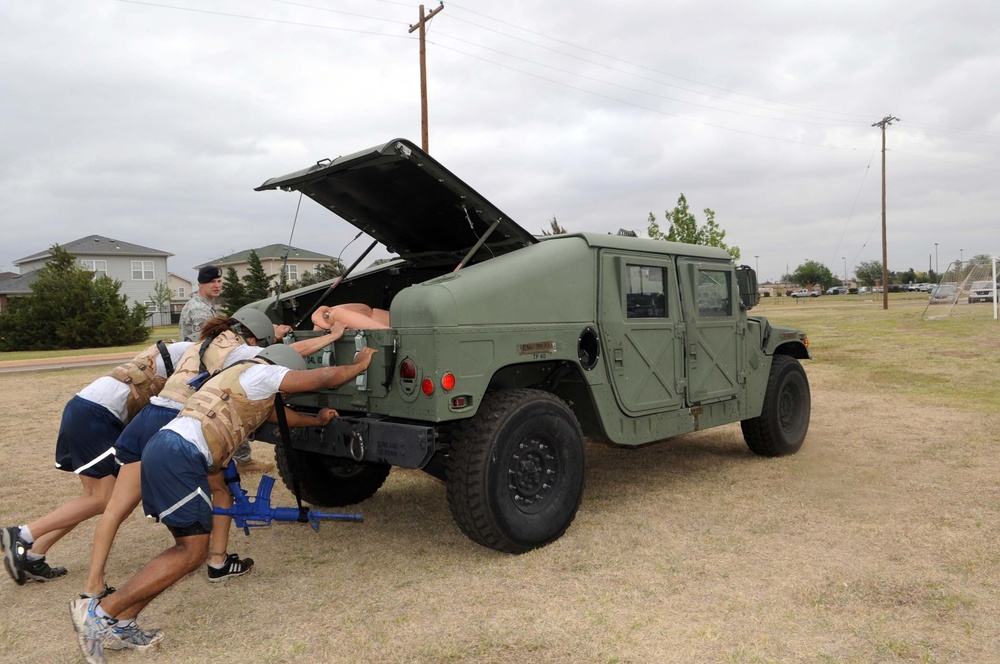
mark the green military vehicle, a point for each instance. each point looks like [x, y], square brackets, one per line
[506, 350]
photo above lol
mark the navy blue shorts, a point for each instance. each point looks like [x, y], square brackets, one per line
[87, 435]
[175, 482]
[133, 440]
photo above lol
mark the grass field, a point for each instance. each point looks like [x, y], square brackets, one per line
[876, 543]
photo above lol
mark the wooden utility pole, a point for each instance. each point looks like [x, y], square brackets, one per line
[424, 134]
[883, 123]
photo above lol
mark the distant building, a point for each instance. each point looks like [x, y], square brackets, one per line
[181, 290]
[138, 268]
[272, 257]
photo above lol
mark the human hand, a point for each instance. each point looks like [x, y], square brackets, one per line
[326, 414]
[280, 331]
[336, 331]
[364, 356]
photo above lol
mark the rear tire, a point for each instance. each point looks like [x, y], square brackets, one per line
[516, 471]
[329, 481]
[784, 419]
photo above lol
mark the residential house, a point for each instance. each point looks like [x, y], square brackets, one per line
[272, 257]
[181, 290]
[138, 268]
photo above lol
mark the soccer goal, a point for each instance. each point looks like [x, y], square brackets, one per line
[967, 289]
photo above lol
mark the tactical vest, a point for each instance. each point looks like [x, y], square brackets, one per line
[226, 414]
[139, 374]
[215, 353]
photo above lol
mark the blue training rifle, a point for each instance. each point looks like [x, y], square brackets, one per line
[256, 511]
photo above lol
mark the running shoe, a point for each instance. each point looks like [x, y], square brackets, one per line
[15, 552]
[132, 637]
[92, 631]
[233, 567]
[41, 571]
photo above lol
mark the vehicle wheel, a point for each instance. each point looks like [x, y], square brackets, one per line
[516, 470]
[781, 427]
[329, 481]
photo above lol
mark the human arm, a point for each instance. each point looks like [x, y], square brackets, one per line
[316, 344]
[326, 377]
[298, 419]
[280, 331]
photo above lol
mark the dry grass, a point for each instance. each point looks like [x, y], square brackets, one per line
[876, 543]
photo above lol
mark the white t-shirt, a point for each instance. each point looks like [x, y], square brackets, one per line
[242, 352]
[113, 394]
[259, 382]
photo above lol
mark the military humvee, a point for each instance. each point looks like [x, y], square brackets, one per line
[507, 349]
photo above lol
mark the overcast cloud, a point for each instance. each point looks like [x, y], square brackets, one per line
[153, 122]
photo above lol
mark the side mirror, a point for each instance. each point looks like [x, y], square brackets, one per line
[746, 280]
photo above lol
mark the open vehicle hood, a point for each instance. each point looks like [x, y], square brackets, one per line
[406, 200]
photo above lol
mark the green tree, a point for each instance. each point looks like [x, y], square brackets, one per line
[813, 274]
[256, 283]
[868, 273]
[234, 295]
[554, 228]
[684, 228]
[69, 308]
[331, 269]
[160, 297]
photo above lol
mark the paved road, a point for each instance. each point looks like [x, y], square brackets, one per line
[48, 364]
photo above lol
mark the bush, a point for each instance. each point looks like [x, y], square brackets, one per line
[71, 309]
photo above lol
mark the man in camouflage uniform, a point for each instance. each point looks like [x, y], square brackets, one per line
[201, 306]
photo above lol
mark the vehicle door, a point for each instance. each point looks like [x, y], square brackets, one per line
[639, 313]
[713, 347]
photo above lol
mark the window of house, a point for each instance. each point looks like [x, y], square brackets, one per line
[142, 271]
[646, 291]
[151, 307]
[180, 291]
[95, 266]
[292, 272]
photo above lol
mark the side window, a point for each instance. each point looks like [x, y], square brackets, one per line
[142, 270]
[715, 293]
[645, 291]
[97, 267]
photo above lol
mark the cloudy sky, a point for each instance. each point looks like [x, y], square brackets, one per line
[152, 122]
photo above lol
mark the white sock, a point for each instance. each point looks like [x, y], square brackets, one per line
[26, 535]
[101, 613]
[35, 556]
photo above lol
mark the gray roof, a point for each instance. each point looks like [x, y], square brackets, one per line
[19, 284]
[97, 245]
[271, 251]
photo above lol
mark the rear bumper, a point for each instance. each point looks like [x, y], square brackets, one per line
[363, 439]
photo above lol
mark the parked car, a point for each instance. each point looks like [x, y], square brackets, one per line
[944, 294]
[805, 292]
[864, 290]
[836, 290]
[982, 291]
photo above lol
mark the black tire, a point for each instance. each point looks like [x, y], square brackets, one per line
[784, 419]
[329, 481]
[516, 471]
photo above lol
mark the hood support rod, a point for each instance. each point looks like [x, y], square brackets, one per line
[336, 283]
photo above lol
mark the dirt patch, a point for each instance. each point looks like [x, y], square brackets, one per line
[877, 542]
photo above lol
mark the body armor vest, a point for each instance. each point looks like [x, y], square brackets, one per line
[139, 374]
[177, 388]
[226, 414]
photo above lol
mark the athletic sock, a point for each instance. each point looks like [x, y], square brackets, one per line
[25, 534]
[35, 556]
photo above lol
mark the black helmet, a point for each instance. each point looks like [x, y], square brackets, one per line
[256, 324]
[284, 355]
